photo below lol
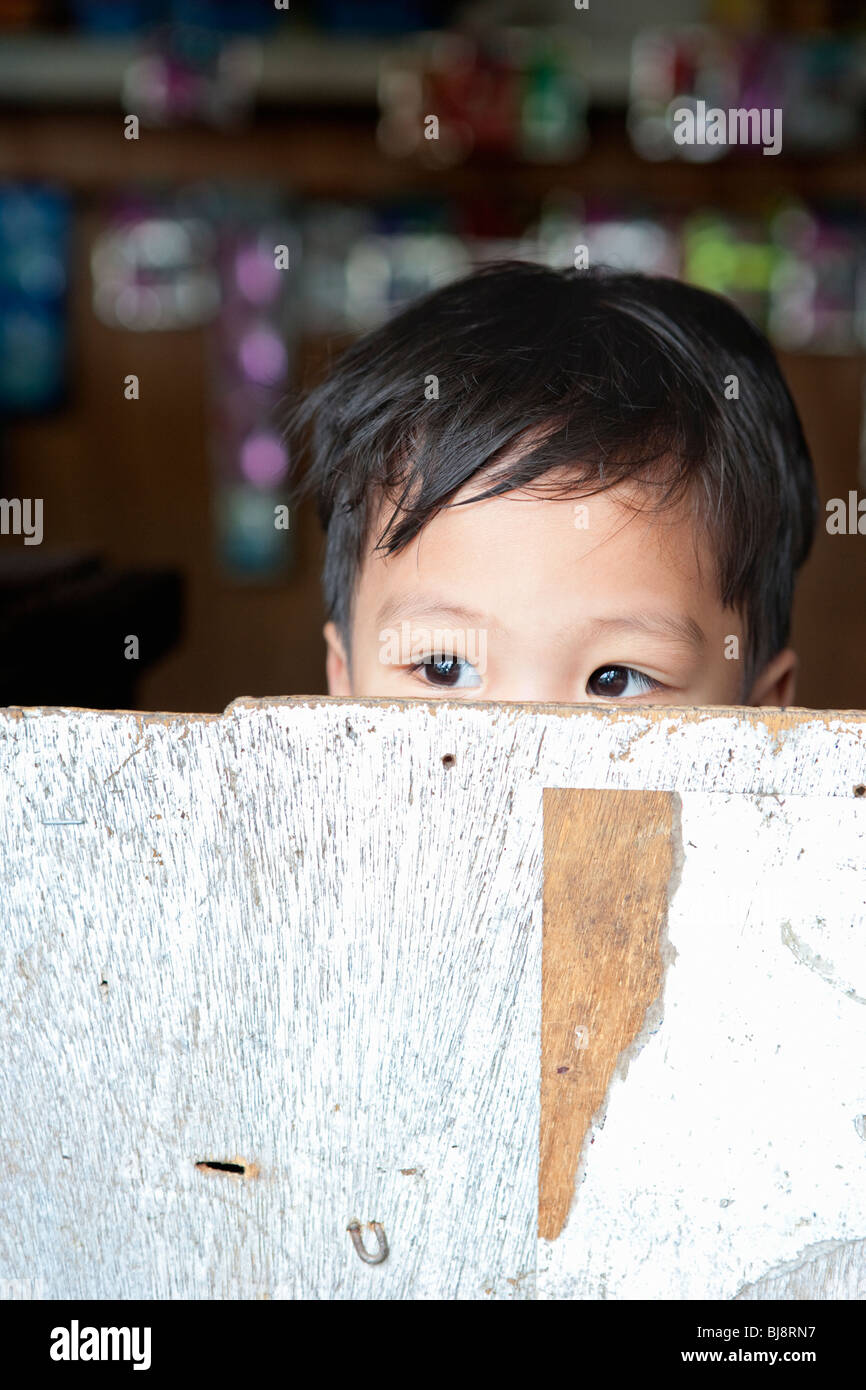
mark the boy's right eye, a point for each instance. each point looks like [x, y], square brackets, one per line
[448, 672]
[620, 682]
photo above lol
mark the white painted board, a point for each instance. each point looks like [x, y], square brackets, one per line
[292, 937]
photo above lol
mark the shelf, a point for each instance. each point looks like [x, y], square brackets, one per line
[339, 158]
[297, 69]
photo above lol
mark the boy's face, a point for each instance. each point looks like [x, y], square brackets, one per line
[526, 598]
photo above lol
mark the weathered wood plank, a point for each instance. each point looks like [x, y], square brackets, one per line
[294, 936]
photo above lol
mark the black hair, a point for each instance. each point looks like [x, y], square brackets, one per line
[619, 377]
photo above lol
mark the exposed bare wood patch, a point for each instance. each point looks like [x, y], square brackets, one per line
[608, 857]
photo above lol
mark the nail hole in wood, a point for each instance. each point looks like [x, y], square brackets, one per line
[449, 760]
[860, 790]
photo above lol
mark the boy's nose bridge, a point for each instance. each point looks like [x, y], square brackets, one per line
[537, 685]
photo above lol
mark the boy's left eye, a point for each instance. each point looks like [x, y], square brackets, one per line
[448, 671]
[620, 682]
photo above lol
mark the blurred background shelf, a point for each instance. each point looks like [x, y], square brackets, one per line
[173, 482]
[339, 157]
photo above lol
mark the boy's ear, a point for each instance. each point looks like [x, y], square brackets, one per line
[336, 665]
[775, 684]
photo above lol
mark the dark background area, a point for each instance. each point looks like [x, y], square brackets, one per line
[145, 502]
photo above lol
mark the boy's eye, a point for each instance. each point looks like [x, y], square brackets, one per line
[620, 682]
[448, 671]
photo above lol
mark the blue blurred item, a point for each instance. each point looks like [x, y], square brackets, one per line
[34, 248]
[824, 92]
[118, 16]
[378, 16]
[132, 16]
[228, 16]
[251, 546]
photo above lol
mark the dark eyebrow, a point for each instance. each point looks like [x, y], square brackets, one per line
[670, 625]
[426, 605]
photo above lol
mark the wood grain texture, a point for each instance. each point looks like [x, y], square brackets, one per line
[305, 937]
[608, 860]
[832, 1270]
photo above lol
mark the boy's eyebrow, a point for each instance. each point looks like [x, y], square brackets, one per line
[682, 629]
[406, 605]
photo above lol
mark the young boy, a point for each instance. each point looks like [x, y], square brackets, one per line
[557, 485]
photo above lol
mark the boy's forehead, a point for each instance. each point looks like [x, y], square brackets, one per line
[536, 555]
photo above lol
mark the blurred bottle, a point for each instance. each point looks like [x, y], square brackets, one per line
[193, 73]
[495, 94]
[553, 125]
[672, 70]
[153, 265]
[733, 256]
[819, 286]
[817, 81]
[34, 251]
[251, 351]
